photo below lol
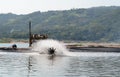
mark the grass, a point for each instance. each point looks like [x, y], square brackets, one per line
[9, 40]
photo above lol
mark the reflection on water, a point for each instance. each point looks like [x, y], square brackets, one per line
[13, 65]
[28, 65]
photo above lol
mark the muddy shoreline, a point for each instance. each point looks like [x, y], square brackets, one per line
[72, 48]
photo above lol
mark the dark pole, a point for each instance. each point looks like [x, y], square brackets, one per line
[30, 40]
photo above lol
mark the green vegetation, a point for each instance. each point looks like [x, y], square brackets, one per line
[5, 40]
[10, 40]
[93, 24]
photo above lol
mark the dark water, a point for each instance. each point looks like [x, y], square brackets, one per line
[34, 65]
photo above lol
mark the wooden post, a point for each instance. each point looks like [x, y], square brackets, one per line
[30, 40]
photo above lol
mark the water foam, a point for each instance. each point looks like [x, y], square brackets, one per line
[42, 47]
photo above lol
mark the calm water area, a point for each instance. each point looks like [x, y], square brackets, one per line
[19, 45]
[32, 64]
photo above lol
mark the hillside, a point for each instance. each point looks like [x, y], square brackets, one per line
[93, 24]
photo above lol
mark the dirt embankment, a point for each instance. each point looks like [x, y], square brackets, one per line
[94, 45]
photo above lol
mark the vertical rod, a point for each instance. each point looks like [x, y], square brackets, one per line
[30, 40]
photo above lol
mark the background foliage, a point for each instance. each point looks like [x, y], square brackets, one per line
[93, 24]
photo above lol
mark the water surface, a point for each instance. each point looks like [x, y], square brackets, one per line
[14, 64]
[19, 45]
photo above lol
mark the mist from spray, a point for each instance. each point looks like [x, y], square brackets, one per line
[42, 47]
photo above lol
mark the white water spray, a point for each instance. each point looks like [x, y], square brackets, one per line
[42, 47]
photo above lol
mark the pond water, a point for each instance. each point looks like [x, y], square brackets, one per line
[19, 45]
[64, 64]
[13, 64]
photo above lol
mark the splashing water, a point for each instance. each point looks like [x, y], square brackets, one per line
[42, 47]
